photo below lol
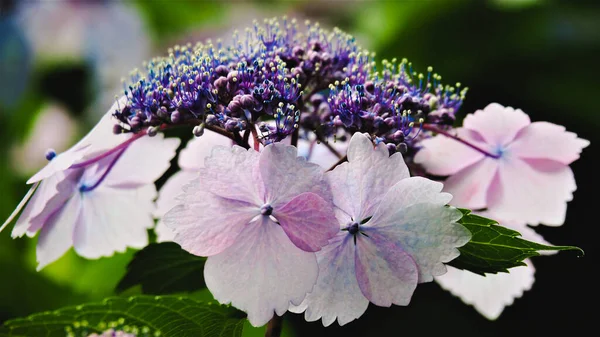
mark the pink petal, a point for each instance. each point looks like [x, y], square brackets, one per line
[386, 274]
[469, 187]
[56, 237]
[285, 175]
[531, 192]
[143, 162]
[543, 140]
[426, 230]
[360, 184]
[262, 272]
[206, 224]
[198, 148]
[113, 219]
[498, 125]
[490, 294]
[336, 293]
[308, 220]
[233, 174]
[444, 156]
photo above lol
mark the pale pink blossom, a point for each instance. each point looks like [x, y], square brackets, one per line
[191, 160]
[396, 232]
[259, 217]
[523, 178]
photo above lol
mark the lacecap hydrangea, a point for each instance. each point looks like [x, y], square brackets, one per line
[277, 227]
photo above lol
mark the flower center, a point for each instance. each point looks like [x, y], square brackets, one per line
[353, 227]
[266, 209]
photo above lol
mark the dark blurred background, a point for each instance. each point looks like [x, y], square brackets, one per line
[61, 63]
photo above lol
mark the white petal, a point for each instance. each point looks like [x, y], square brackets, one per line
[56, 237]
[233, 173]
[427, 230]
[198, 148]
[490, 294]
[261, 273]
[143, 162]
[100, 139]
[18, 209]
[52, 193]
[285, 175]
[59, 163]
[167, 199]
[336, 293]
[113, 219]
[360, 184]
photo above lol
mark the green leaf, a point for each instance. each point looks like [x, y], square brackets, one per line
[142, 315]
[494, 248]
[164, 268]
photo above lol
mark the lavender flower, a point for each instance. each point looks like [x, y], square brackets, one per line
[259, 217]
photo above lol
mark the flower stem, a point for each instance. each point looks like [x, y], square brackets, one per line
[119, 147]
[339, 162]
[432, 128]
[108, 169]
[329, 147]
[274, 327]
[255, 137]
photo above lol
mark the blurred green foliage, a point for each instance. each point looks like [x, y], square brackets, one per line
[540, 56]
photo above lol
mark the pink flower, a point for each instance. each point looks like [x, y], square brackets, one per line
[524, 178]
[396, 233]
[490, 294]
[259, 217]
[191, 160]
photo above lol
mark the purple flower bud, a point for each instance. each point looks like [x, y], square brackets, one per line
[50, 154]
[175, 117]
[117, 129]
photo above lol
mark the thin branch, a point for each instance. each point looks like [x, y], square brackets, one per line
[430, 127]
[274, 327]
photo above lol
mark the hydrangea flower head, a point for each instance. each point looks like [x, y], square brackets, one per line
[518, 171]
[395, 233]
[259, 216]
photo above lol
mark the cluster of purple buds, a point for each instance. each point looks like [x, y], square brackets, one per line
[263, 76]
[394, 105]
[280, 78]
